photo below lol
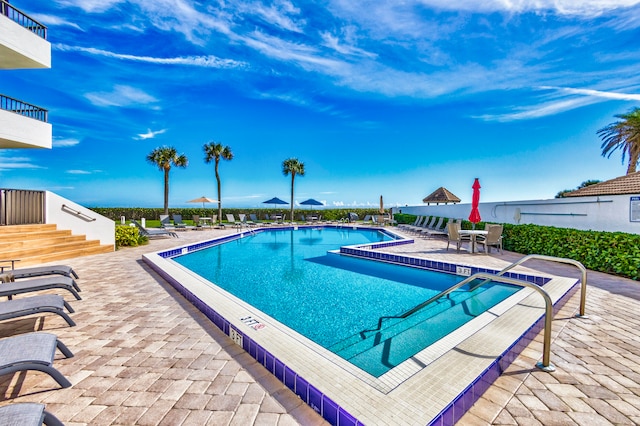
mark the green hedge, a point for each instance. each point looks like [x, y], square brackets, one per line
[616, 253]
[114, 213]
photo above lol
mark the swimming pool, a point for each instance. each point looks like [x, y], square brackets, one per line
[435, 386]
[292, 276]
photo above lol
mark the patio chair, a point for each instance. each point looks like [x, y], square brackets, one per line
[196, 222]
[33, 351]
[10, 289]
[415, 223]
[51, 303]
[366, 220]
[27, 414]
[254, 219]
[453, 236]
[244, 221]
[36, 271]
[152, 233]
[492, 239]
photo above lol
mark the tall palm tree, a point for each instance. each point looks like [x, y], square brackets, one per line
[164, 157]
[294, 167]
[215, 151]
[623, 135]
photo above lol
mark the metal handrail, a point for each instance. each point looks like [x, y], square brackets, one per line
[78, 213]
[583, 285]
[548, 316]
[8, 103]
[23, 19]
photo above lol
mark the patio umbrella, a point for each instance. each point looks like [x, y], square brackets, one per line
[381, 205]
[474, 216]
[274, 201]
[311, 202]
[203, 200]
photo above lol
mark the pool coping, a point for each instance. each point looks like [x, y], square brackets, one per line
[349, 400]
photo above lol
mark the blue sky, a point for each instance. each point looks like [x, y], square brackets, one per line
[392, 98]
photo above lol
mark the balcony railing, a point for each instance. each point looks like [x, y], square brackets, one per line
[24, 20]
[9, 104]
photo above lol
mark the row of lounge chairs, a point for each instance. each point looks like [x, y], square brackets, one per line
[36, 350]
[428, 227]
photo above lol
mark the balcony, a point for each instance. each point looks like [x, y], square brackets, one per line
[23, 125]
[23, 40]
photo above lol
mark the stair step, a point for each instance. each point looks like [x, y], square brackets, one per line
[36, 244]
[18, 229]
[32, 235]
[47, 249]
[68, 254]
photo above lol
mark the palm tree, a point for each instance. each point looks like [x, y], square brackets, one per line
[623, 135]
[215, 151]
[295, 167]
[164, 157]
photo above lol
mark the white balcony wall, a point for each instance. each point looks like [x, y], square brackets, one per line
[604, 213]
[20, 48]
[18, 131]
[102, 228]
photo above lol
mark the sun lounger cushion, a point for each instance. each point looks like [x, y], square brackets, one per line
[32, 351]
[38, 271]
[52, 303]
[27, 414]
[38, 284]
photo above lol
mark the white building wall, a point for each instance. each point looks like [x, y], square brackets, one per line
[21, 48]
[604, 213]
[18, 131]
[59, 210]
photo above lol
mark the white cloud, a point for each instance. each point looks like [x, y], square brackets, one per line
[121, 96]
[19, 163]
[209, 61]
[50, 20]
[596, 93]
[78, 172]
[91, 6]
[150, 134]
[64, 143]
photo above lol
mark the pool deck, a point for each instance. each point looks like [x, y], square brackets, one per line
[145, 356]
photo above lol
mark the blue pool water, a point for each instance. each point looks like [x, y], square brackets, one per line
[333, 300]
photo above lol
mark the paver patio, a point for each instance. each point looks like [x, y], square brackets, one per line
[145, 356]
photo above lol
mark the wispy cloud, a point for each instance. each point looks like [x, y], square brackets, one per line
[64, 143]
[19, 163]
[121, 96]
[51, 20]
[78, 172]
[280, 14]
[91, 6]
[596, 93]
[208, 61]
[150, 134]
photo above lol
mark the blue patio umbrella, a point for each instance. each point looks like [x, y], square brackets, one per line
[311, 202]
[274, 201]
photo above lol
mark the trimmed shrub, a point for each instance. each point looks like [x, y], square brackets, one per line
[128, 236]
[616, 253]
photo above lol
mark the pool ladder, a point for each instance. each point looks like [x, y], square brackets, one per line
[545, 364]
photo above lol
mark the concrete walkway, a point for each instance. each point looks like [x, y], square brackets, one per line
[145, 356]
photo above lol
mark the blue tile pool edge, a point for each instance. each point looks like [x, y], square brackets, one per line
[322, 404]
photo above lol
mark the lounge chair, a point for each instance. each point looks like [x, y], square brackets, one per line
[254, 219]
[426, 224]
[151, 233]
[179, 224]
[232, 220]
[10, 289]
[492, 239]
[33, 351]
[37, 271]
[244, 221]
[165, 222]
[27, 414]
[438, 229]
[52, 303]
[415, 223]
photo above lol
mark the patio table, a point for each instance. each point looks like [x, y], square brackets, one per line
[473, 233]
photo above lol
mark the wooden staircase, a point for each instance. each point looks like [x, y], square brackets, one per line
[34, 244]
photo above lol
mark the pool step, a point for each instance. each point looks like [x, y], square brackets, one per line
[391, 324]
[393, 345]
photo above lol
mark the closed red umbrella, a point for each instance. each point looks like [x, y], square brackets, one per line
[474, 216]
